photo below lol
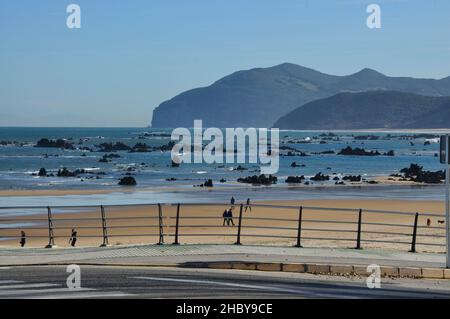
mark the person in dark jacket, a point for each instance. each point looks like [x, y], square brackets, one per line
[230, 217]
[23, 238]
[248, 205]
[73, 238]
[232, 201]
[225, 217]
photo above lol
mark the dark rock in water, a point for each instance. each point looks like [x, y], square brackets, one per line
[240, 168]
[127, 181]
[352, 178]
[223, 180]
[172, 179]
[416, 174]
[390, 153]
[335, 178]
[259, 180]
[358, 152]
[295, 179]
[294, 164]
[412, 170]
[208, 183]
[65, 173]
[110, 147]
[372, 182]
[140, 148]
[319, 177]
[59, 143]
[42, 172]
[339, 183]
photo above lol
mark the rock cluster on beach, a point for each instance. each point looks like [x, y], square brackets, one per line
[259, 180]
[319, 177]
[362, 152]
[59, 143]
[127, 181]
[295, 179]
[415, 173]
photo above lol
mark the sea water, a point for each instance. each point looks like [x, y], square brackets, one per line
[20, 164]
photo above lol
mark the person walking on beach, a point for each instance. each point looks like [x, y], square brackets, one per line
[232, 201]
[73, 238]
[225, 217]
[23, 238]
[230, 217]
[247, 206]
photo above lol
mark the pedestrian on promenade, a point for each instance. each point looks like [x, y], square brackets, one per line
[232, 201]
[23, 238]
[225, 217]
[73, 238]
[247, 206]
[230, 217]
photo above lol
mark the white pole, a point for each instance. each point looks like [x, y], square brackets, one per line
[447, 199]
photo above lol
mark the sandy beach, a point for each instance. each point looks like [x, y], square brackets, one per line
[204, 224]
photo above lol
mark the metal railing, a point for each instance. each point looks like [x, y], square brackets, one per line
[279, 224]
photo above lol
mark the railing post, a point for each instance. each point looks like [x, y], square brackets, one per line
[238, 241]
[177, 225]
[51, 238]
[161, 226]
[299, 229]
[414, 235]
[104, 228]
[358, 238]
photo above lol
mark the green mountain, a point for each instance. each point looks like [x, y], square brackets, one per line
[373, 109]
[257, 97]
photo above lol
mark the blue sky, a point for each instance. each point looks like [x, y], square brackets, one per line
[129, 56]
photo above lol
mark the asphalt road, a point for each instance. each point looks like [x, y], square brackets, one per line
[148, 282]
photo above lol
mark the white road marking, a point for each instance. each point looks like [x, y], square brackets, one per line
[18, 289]
[2, 282]
[229, 284]
[20, 286]
[88, 294]
[24, 293]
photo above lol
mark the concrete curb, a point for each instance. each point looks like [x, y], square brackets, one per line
[327, 269]
[311, 268]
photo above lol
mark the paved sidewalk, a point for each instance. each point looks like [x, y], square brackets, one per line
[176, 255]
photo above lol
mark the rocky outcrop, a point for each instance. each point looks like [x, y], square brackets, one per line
[127, 181]
[352, 178]
[319, 177]
[358, 152]
[295, 179]
[59, 143]
[140, 148]
[416, 174]
[110, 147]
[259, 180]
